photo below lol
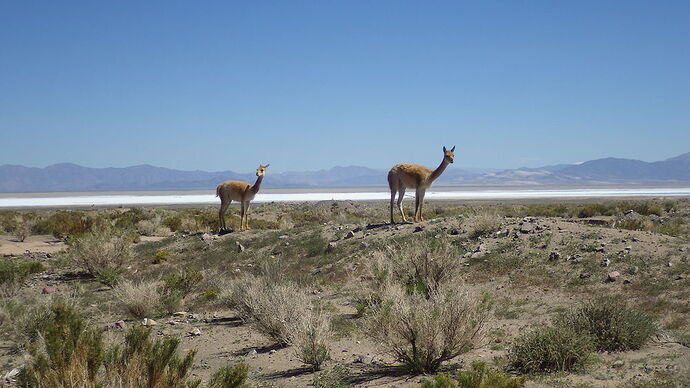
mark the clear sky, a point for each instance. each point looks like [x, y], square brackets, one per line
[306, 85]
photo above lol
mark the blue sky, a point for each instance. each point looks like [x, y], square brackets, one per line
[306, 85]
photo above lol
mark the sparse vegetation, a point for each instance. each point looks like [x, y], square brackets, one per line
[102, 254]
[140, 299]
[230, 377]
[613, 325]
[480, 376]
[311, 335]
[551, 349]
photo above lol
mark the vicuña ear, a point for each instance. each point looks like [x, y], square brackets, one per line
[452, 149]
[444, 148]
[267, 165]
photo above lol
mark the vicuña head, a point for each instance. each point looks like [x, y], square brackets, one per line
[405, 175]
[448, 155]
[261, 170]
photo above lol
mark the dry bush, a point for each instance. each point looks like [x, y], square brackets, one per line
[422, 332]
[551, 349]
[139, 299]
[275, 308]
[310, 337]
[102, 254]
[22, 228]
[148, 227]
[482, 224]
[422, 265]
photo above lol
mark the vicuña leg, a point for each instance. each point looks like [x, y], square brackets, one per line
[416, 206]
[401, 195]
[246, 215]
[420, 194]
[221, 213]
[241, 215]
[392, 202]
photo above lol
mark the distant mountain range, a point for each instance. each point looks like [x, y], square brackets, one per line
[72, 177]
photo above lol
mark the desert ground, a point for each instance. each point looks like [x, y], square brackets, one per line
[329, 294]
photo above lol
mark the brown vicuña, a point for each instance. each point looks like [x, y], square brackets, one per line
[241, 192]
[414, 176]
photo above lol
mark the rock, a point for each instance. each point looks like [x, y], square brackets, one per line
[195, 332]
[206, 237]
[240, 248]
[252, 353]
[527, 228]
[618, 364]
[120, 324]
[613, 276]
[628, 248]
[49, 290]
[357, 229]
[606, 262]
[476, 255]
[502, 233]
[350, 234]
[364, 359]
[283, 236]
[585, 275]
[316, 271]
[330, 247]
[418, 229]
[626, 281]
[669, 264]
[454, 232]
[554, 256]
[12, 374]
[148, 322]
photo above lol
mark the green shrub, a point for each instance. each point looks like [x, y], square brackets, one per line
[613, 325]
[161, 256]
[183, 281]
[173, 223]
[13, 273]
[337, 377]
[551, 349]
[480, 376]
[230, 377]
[66, 223]
[310, 337]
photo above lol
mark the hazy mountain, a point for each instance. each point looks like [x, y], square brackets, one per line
[72, 177]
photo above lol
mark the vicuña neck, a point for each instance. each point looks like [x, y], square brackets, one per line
[257, 185]
[438, 171]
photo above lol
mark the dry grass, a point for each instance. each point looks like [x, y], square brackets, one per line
[482, 223]
[424, 332]
[311, 336]
[102, 254]
[140, 299]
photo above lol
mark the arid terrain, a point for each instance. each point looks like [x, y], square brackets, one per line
[333, 281]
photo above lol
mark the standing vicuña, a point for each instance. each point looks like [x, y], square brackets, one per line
[241, 192]
[402, 176]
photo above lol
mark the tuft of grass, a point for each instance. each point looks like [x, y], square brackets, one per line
[613, 325]
[13, 274]
[102, 255]
[551, 349]
[230, 377]
[480, 376]
[141, 299]
[161, 256]
[337, 377]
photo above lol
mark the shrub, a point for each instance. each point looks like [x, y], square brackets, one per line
[13, 274]
[139, 299]
[146, 363]
[311, 334]
[483, 224]
[173, 223]
[183, 280]
[613, 325]
[161, 256]
[480, 376]
[66, 223]
[102, 255]
[551, 349]
[422, 265]
[22, 228]
[275, 308]
[334, 378]
[69, 355]
[230, 377]
[422, 332]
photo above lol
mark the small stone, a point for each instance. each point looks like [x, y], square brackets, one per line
[606, 262]
[618, 364]
[613, 276]
[554, 256]
[527, 228]
[669, 264]
[148, 322]
[626, 281]
[120, 324]
[350, 234]
[273, 351]
[357, 229]
[252, 353]
[330, 247]
[240, 248]
[454, 232]
[585, 275]
[283, 236]
[628, 248]
[418, 229]
[12, 374]
[195, 332]
[49, 290]
[316, 271]
[206, 237]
